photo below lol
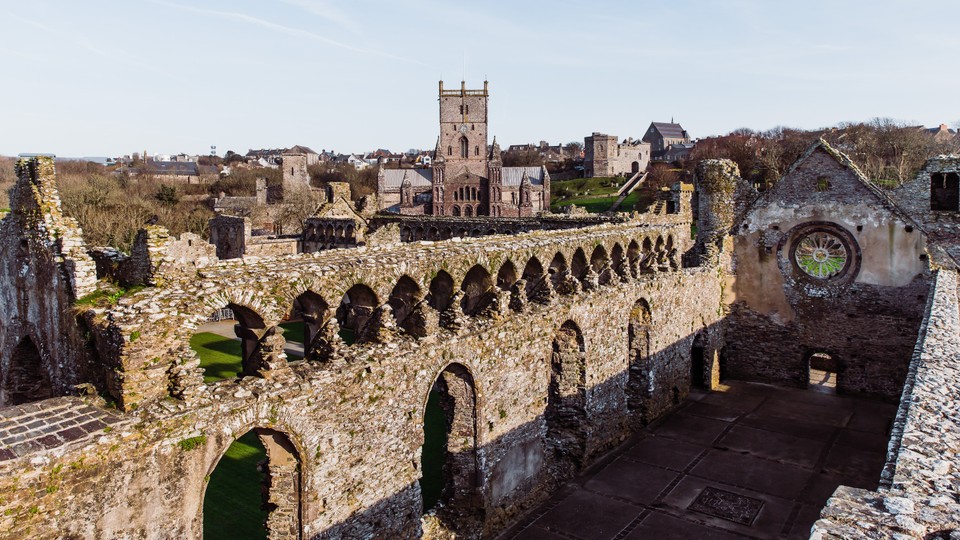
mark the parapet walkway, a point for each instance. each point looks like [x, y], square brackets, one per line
[749, 461]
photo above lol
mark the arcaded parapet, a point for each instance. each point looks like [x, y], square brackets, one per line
[43, 269]
[917, 498]
[505, 323]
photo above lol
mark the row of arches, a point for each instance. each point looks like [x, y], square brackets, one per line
[467, 193]
[466, 210]
[330, 233]
[417, 308]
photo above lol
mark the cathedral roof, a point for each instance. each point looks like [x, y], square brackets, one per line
[394, 178]
[512, 176]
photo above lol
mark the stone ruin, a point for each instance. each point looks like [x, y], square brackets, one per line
[547, 348]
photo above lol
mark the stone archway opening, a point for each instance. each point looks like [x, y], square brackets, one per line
[235, 341]
[477, 287]
[313, 314]
[27, 378]
[405, 301]
[255, 490]
[449, 478]
[566, 414]
[356, 313]
[822, 369]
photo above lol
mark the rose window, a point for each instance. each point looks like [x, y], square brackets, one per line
[821, 255]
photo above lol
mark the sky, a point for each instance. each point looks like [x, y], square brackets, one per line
[106, 78]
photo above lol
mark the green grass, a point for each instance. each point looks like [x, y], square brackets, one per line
[232, 504]
[293, 331]
[219, 356]
[584, 187]
[434, 451]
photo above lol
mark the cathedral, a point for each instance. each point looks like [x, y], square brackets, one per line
[467, 177]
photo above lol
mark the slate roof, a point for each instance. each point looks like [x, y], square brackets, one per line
[513, 175]
[669, 130]
[298, 150]
[179, 168]
[392, 178]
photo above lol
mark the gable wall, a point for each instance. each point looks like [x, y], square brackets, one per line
[867, 320]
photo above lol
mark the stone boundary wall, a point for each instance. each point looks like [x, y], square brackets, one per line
[918, 493]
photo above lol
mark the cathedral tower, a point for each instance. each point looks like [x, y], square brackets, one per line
[463, 129]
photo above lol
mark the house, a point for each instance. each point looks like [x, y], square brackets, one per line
[661, 135]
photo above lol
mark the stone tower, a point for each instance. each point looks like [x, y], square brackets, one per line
[463, 129]
[598, 150]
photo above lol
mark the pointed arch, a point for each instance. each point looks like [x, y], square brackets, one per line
[507, 275]
[600, 262]
[578, 264]
[441, 291]
[477, 288]
[533, 275]
[405, 295]
[355, 312]
[449, 468]
[314, 311]
[557, 270]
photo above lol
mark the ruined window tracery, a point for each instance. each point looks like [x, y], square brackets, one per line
[821, 255]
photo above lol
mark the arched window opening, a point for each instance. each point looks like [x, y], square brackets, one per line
[403, 300]
[464, 148]
[441, 291]
[558, 274]
[255, 489]
[534, 275]
[600, 263]
[449, 150]
[313, 312]
[477, 289]
[355, 313]
[448, 465]
[507, 275]
[566, 414]
[224, 357]
[633, 258]
[468, 211]
[618, 262]
[455, 211]
[27, 379]
[578, 264]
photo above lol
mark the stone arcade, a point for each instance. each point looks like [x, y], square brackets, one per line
[548, 349]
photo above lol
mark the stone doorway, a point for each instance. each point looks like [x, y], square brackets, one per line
[566, 414]
[822, 369]
[449, 474]
[697, 366]
[254, 490]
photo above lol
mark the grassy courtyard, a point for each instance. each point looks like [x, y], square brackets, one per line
[232, 504]
[220, 356]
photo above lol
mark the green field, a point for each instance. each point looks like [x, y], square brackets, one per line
[220, 356]
[596, 195]
[232, 504]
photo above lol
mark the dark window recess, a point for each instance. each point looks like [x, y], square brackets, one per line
[945, 191]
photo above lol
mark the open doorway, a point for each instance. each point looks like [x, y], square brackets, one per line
[822, 369]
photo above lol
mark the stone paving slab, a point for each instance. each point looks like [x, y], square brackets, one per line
[775, 455]
[49, 424]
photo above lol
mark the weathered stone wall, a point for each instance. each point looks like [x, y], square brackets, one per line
[941, 226]
[917, 497]
[44, 268]
[355, 420]
[865, 317]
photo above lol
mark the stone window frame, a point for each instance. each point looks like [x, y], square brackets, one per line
[787, 256]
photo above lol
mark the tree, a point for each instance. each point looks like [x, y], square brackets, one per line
[573, 150]
[522, 158]
[167, 195]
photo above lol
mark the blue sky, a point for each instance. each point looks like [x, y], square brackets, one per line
[112, 77]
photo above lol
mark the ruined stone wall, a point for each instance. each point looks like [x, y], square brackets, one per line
[272, 247]
[230, 234]
[356, 422]
[917, 494]
[44, 269]
[865, 317]
[941, 226]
